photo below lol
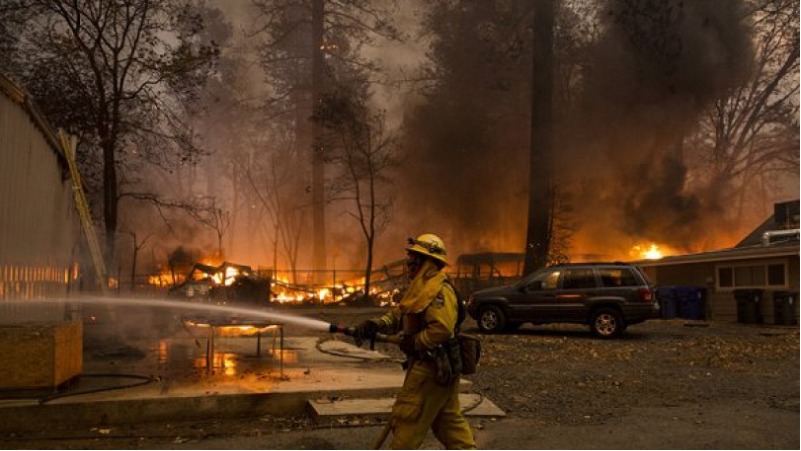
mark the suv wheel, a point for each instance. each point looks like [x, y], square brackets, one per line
[491, 319]
[607, 323]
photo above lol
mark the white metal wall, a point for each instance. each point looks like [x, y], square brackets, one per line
[38, 226]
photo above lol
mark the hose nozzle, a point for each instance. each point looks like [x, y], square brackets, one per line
[340, 329]
[351, 332]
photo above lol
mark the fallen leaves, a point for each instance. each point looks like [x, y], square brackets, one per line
[562, 377]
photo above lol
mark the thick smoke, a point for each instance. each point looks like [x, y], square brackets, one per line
[467, 136]
[466, 181]
[620, 156]
[656, 66]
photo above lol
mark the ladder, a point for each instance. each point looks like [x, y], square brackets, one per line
[68, 146]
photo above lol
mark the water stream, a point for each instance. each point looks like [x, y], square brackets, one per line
[250, 313]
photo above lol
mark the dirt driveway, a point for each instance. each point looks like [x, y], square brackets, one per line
[666, 384]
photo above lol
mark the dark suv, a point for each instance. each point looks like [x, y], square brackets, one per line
[606, 296]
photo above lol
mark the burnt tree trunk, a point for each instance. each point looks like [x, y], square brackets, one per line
[133, 265]
[540, 207]
[110, 202]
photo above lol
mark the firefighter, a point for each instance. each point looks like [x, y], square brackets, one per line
[426, 318]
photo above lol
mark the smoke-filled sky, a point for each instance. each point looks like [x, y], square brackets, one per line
[643, 97]
[620, 152]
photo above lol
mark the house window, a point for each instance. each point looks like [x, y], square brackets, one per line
[776, 275]
[764, 275]
[749, 276]
[726, 277]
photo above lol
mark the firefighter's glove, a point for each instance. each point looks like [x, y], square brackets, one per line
[365, 331]
[407, 344]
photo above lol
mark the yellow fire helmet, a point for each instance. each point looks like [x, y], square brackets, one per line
[428, 244]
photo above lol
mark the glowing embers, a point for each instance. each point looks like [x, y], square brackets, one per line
[285, 292]
[345, 293]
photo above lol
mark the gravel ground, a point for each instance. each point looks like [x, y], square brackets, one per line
[666, 384]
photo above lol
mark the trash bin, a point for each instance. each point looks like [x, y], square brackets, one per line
[748, 303]
[667, 301]
[691, 302]
[784, 307]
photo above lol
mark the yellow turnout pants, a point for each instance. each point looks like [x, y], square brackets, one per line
[423, 404]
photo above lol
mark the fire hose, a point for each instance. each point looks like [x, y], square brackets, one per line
[379, 337]
[383, 338]
[142, 380]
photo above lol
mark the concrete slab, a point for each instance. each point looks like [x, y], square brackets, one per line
[326, 409]
[170, 378]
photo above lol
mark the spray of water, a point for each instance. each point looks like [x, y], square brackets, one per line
[283, 318]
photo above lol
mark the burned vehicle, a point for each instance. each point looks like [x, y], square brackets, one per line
[486, 270]
[227, 283]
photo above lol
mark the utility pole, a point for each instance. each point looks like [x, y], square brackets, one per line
[540, 205]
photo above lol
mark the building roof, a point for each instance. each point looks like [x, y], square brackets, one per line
[773, 238]
[18, 95]
[785, 217]
[780, 249]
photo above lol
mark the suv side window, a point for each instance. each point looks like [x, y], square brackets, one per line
[618, 277]
[545, 280]
[578, 278]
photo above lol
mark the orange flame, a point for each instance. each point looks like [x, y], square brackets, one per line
[651, 251]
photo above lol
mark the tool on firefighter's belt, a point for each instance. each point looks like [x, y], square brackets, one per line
[469, 353]
[351, 332]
